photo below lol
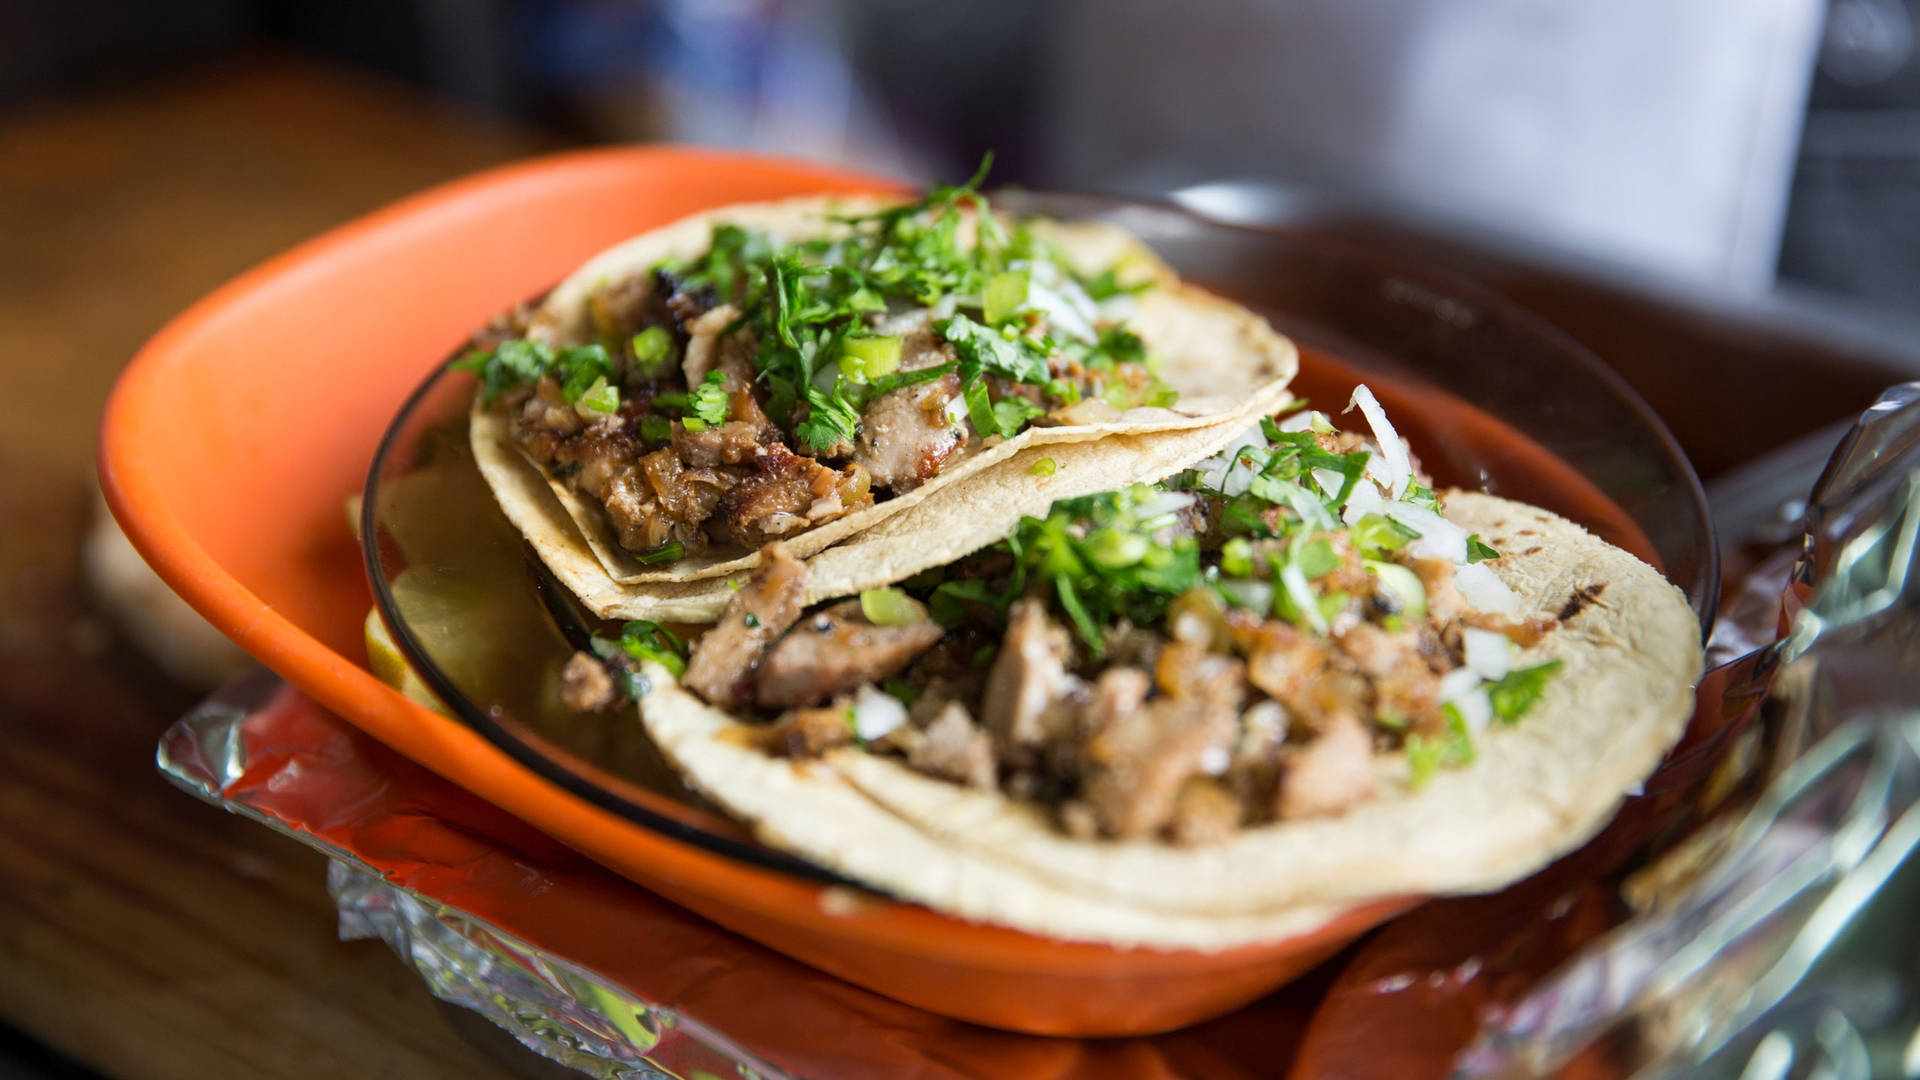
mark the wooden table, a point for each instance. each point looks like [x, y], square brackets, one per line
[143, 934]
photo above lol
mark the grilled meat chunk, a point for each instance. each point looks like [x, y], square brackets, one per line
[585, 685]
[811, 732]
[954, 748]
[1027, 675]
[906, 435]
[787, 493]
[1329, 774]
[722, 664]
[835, 650]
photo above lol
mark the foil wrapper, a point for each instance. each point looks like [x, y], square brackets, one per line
[590, 970]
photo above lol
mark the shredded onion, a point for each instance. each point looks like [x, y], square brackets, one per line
[1299, 421]
[1439, 538]
[1399, 466]
[944, 307]
[1485, 591]
[1066, 306]
[1365, 499]
[876, 712]
[1490, 655]
[1214, 471]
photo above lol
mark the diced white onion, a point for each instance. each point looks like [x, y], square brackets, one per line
[1439, 538]
[1249, 594]
[1299, 421]
[876, 712]
[1399, 466]
[957, 410]
[1490, 655]
[1364, 500]
[1214, 760]
[1476, 708]
[1295, 581]
[1162, 502]
[1485, 591]
[1457, 684]
[943, 308]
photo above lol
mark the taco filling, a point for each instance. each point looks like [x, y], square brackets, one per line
[767, 386]
[1229, 647]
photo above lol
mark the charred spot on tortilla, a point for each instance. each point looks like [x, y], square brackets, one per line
[1579, 599]
[801, 370]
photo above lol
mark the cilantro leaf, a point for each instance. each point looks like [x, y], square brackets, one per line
[1478, 550]
[983, 349]
[643, 639]
[709, 400]
[831, 422]
[513, 362]
[1517, 691]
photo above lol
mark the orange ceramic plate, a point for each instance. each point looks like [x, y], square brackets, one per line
[232, 438]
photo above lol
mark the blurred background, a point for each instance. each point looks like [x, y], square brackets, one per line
[1729, 142]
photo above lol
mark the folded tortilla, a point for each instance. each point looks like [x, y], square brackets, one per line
[1536, 790]
[1226, 363]
[973, 512]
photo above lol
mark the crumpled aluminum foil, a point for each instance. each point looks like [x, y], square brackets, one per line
[557, 1009]
[1783, 941]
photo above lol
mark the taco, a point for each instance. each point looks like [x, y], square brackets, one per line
[1287, 679]
[802, 370]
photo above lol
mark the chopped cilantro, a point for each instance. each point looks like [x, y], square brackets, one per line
[1427, 755]
[646, 640]
[1478, 550]
[511, 363]
[1018, 359]
[1517, 691]
[655, 428]
[709, 400]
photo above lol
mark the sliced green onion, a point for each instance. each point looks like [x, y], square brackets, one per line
[1236, 558]
[1404, 585]
[650, 349]
[869, 357]
[1046, 466]
[890, 607]
[600, 399]
[1006, 293]
[1115, 549]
